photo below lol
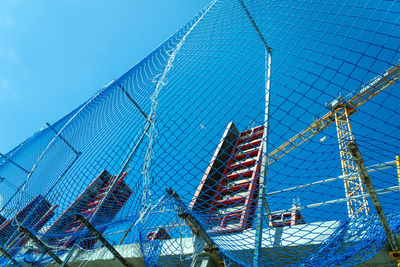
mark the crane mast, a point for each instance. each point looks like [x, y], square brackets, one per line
[353, 185]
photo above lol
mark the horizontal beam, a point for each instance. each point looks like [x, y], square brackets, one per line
[373, 168]
[339, 200]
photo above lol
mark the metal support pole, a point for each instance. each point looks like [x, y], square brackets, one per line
[263, 173]
[355, 153]
[62, 138]
[93, 230]
[13, 162]
[126, 163]
[190, 220]
[40, 244]
[5, 253]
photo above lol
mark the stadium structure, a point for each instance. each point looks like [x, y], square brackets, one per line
[261, 133]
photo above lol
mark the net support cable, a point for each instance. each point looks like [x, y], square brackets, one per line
[161, 82]
[356, 154]
[150, 122]
[151, 119]
[111, 189]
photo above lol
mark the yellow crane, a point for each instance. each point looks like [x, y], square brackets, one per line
[353, 185]
[339, 112]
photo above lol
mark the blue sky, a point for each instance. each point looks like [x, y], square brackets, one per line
[54, 55]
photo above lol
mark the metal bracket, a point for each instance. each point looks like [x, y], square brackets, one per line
[93, 230]
[5, 253]
[196, 228]
[40, 244]
[134, 103]
[13, 162]
[396, 256]
[63, 139]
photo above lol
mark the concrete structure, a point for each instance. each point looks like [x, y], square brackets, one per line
[306, 236]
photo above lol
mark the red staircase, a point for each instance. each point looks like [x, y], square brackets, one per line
[233, 205]
[34, 214]
[66, 229]
[23, 239]
[228, 192]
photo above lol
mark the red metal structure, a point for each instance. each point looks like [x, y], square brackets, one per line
[34, 215]
[287, 219]
[160, 233]
[64, 232]
[229, 189]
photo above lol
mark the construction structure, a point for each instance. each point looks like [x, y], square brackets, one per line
[213, 151]
[97, 204]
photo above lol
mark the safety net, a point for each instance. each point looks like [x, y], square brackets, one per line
[261, 133]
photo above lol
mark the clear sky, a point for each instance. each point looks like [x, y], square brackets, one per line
[54, 55]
